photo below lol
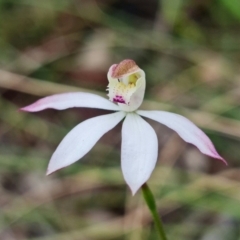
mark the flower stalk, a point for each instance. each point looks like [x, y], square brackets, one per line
[149, 199]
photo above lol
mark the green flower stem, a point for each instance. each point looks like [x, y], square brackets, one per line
[149, 198]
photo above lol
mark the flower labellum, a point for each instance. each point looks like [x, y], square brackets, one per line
[139, 149]
[126, 85]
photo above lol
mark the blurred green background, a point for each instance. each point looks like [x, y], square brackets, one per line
[190, 53]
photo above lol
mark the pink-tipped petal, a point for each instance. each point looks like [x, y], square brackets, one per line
[139, 151]
[188, 131]
[81, 139]
[70, 100]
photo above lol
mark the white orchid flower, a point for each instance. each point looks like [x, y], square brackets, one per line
[139, 150]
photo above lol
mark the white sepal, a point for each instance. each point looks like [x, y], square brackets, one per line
[70, 100]
[139, 151]
[188, 131]
[81, 139]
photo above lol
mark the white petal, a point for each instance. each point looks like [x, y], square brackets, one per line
[188, 131]
[81, 139]
[70, 100]
[139, 151]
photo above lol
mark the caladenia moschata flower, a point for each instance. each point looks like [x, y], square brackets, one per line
[139, 148]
